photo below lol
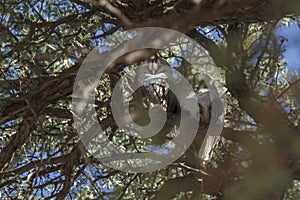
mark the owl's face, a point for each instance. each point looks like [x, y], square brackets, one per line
[154, 77]
[153, 73]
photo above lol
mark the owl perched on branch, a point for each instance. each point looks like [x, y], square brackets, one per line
[156, 82]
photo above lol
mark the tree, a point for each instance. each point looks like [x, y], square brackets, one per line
[43, 44]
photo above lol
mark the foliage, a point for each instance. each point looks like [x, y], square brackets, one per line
[43, 44]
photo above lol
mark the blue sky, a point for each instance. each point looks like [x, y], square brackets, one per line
[292, 53]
